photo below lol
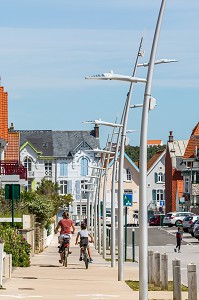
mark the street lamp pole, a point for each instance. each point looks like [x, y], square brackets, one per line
[120, 181]
[143, 224]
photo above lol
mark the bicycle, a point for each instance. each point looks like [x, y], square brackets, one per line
[64, 249]
[84, 255]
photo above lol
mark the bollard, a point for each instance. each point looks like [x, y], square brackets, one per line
[164, 271]
[150, 266]
[192, 281]
[156, 261]
[177, 294]
[1, 263]
[8, 266]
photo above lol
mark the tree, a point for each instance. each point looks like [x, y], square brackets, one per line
[134, 151]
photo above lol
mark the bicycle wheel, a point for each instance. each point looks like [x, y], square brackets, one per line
[86, 260]
[65, 260]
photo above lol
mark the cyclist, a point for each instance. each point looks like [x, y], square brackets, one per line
[65, 225]
[84, 234]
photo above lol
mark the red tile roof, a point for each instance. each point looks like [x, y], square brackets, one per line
[193, 143]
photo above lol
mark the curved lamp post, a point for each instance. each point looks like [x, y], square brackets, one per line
[143, 249]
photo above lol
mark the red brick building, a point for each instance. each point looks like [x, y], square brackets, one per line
[173, 173]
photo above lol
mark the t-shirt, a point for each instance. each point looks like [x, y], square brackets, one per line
[178, 235]
[83, 234]
[65, 225]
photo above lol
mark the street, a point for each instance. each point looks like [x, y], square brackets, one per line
[162, 239]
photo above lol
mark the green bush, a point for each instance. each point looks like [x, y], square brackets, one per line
[15, 244]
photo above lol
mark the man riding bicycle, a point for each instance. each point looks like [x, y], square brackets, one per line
[84, 235]
[65, 225]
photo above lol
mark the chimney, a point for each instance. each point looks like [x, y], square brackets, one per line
[11, 127]
[170, 136]
[96, 131]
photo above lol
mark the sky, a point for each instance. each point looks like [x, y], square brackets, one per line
[48, 47]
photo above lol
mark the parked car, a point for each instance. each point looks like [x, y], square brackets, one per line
[156, 220]
[175, 218]
[188, 221]
[196, 230]
[190, 229]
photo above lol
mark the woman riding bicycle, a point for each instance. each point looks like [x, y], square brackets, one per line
[84, 235]
[65, 225]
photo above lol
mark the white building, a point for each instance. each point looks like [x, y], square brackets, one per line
[61, 156]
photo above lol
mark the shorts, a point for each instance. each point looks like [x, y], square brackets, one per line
[61, 237]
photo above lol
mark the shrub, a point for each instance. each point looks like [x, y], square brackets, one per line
[16, 244]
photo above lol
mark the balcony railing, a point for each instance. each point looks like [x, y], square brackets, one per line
[13, 168]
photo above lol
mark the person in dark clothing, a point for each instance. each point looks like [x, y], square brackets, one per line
[178, 240]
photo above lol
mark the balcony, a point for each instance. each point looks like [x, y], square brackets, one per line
[13, 168]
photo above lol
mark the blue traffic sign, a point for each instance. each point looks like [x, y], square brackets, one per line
[128, 199]
[162, 202]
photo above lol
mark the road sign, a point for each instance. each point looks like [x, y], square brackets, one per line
[12, 191]
[162, 202]
[128, 199]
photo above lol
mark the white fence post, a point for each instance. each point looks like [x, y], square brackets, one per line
[164, 271]
[177, 293]
[1, 263]
[150, 266]
[156, 268]
[192, 281]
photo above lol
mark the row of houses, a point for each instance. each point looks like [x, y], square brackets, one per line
[66, 157]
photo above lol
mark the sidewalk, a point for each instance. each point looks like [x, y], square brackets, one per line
[48, 279]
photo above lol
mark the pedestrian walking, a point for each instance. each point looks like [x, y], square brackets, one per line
[179, 234]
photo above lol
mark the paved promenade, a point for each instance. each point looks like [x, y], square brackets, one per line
[48, 279]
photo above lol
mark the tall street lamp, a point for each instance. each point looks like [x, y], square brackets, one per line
[143, 249]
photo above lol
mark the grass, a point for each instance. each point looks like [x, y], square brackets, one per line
[134, 285]
[128, 260]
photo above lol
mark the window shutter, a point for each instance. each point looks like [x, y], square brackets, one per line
[77, 188]
[156, 177]
[163, 177]
[69, 186]
[63, 169]
[154, 195]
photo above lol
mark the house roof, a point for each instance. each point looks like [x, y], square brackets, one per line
[155, 159]
[177, 148]
[57, 143]
[154, 142]
[193, 143]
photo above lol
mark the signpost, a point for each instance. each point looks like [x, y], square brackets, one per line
[128, 202]
[12, 192]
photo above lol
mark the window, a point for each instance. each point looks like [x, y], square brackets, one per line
[186, 184]
[48, 168]
[28, 163]
[63, 187]
[159, 177]
[84, 167]
[160, 195]
[84, 187]
[83, 212]
[128, 175]
[157, 195]
[29, 186]
[63, 168]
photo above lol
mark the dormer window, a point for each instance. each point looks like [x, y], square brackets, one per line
[45, 145]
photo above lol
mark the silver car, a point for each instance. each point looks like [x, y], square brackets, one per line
[188, 221]
[175, 218]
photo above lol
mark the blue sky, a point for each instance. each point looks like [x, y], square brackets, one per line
[49, 46]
